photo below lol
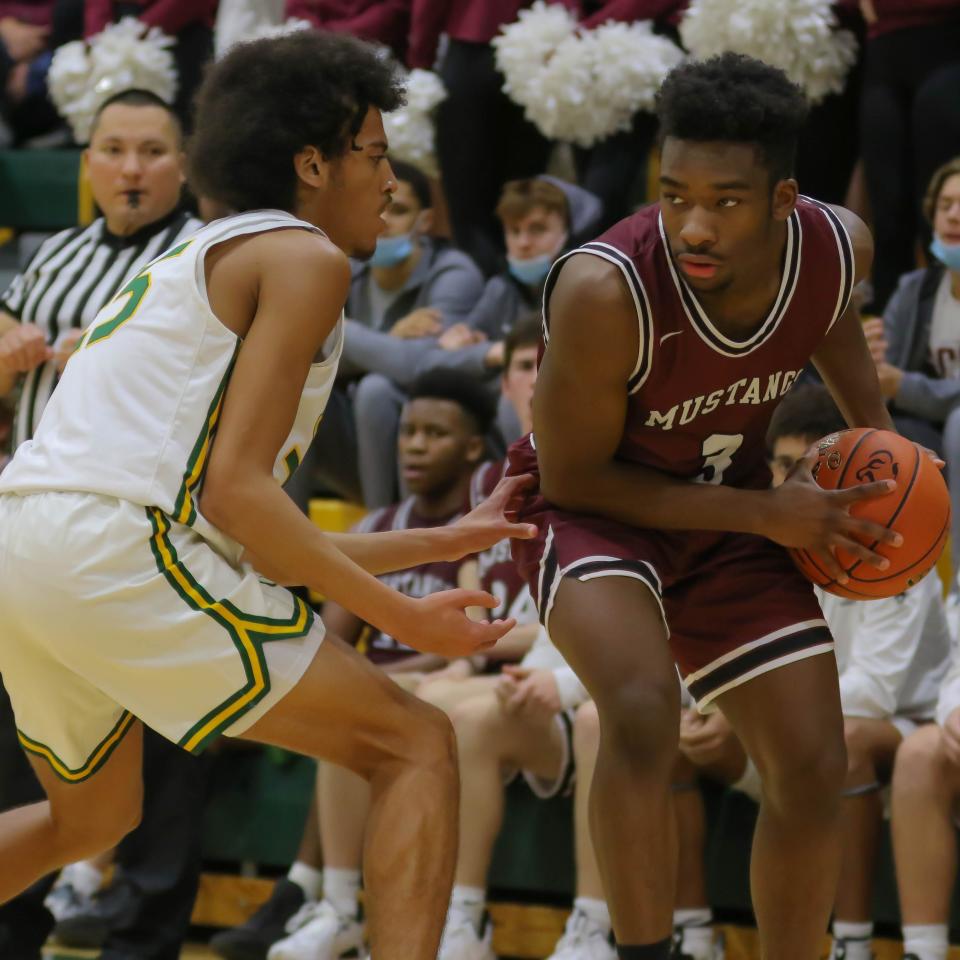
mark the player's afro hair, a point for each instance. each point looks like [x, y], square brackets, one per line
[736, 99]
[268, 99]
[475, 399]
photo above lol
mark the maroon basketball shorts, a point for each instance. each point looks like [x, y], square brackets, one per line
[734, 605]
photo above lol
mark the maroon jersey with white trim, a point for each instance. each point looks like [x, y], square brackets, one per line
[497, 570]
[415, 582]
[700, 403]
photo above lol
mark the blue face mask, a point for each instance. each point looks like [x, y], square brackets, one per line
[532, 271]
[947, 253]
[392, 250]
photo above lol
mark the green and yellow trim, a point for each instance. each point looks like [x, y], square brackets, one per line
[185, 508]
[99, 756]
[247, 632]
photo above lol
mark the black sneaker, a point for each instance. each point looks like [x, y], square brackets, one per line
[252, 940]
[114, 907]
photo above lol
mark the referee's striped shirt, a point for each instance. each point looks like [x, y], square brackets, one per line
[69, 279]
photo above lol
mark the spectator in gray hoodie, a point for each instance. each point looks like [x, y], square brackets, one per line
[917, 344]
[538, 217]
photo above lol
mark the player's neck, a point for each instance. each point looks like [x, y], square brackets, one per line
[741, 307]
[439, 504]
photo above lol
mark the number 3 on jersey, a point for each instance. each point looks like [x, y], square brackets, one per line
[718, 451]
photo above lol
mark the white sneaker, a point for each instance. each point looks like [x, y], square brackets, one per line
[462, 942]
[318, 932]
[64, 901]
[581, 940]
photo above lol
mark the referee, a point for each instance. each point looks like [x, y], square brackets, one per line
[135, 166]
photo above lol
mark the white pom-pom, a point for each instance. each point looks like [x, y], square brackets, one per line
[581, 87]
[292, 25]
[410, 130]
[124, 56]
[798, 36]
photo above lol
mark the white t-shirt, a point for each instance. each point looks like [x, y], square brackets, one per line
[945, 331]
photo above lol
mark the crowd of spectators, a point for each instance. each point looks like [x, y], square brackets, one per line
[436, 380]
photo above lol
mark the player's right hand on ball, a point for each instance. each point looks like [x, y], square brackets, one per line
[23, 348]
[807, 517]
[439, 624]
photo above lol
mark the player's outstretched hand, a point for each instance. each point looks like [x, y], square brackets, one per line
[439, 624]
[495, 518]
[810, 518]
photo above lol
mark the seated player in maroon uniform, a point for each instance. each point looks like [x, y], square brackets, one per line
[670, 340]
[495, 570]
[441, 441]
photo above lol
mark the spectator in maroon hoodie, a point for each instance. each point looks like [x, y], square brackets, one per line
[30, 30]
[190, 21]
[909, 120]
[483, 139]
[380, 21]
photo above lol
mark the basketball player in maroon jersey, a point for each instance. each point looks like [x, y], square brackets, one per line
[670, 340]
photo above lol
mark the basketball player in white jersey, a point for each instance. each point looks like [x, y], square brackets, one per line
[129, 523]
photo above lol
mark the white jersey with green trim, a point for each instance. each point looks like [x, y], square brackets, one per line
[136, 412]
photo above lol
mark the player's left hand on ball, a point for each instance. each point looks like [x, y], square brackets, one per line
[933, 455]
[495, 518]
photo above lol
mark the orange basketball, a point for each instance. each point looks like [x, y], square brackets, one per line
[919, 510]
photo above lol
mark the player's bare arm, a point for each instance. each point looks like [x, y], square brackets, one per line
[579, 410]
[283, 292]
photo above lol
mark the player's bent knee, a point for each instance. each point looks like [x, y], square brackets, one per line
[640, 720]
[476, 723]
[806, 780]
[922, 759]
[586, 728]
[860, 744]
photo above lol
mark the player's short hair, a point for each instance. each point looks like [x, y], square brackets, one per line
[807, 411]
[520, 197]
[476, 400]
[526, 332]
[417, 179]
[942, 174]
[736, 99]
[268, 99]
[135, 97]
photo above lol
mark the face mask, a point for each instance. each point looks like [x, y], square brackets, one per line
[531, 271]
[947, 253]
[392, 250]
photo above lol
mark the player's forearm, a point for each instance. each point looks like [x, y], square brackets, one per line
[393, 550]
[642, 497]
[264, 520]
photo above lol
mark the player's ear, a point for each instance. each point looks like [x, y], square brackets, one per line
[785, 193]
[476, 449]
[311, 167]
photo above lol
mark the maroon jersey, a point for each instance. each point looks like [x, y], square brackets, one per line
[498, 572]
[698, 407]
[416, 582]
[700, 403]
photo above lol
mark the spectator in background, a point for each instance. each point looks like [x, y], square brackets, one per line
[917, 344]
[537, 216]
[610, 168]
[381, 21]
[189, 21]
[30, 30]
[926, 792]
[441, 442]
[412, 287]
[483, 139]
[909, 120]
